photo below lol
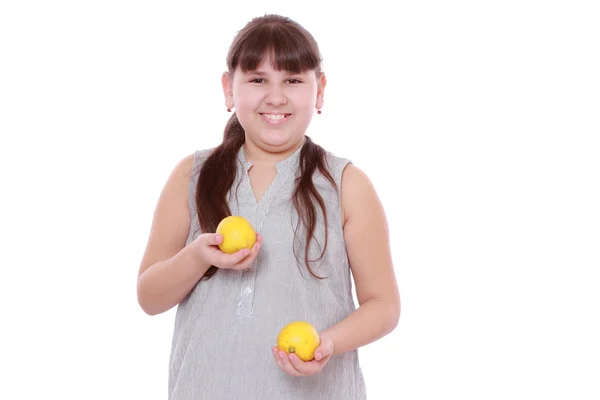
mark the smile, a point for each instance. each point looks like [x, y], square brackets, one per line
[275, 118]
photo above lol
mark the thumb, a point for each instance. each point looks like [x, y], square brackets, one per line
[215, 239]
[324, 350]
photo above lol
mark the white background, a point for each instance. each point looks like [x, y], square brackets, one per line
[478, 123]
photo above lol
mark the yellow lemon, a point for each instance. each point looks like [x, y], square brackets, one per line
[299, 337]
[237, 233]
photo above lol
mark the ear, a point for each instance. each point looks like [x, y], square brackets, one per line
[226, 82]
[321, 83]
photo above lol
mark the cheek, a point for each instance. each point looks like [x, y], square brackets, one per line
[303, 101]
[246, 99]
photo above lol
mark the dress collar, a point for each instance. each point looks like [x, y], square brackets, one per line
[287, 164]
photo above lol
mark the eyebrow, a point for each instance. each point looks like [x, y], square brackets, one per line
[262, 73]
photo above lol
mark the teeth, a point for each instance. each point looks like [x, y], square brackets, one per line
[275, 116]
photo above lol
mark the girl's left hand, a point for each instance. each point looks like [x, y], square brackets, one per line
[293, 365]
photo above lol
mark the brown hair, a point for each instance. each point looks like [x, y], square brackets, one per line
[295, 50]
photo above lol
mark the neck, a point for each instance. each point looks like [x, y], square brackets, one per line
[268, 157]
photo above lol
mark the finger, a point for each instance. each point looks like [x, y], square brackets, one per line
[212, 239]
[324, 350]
[302, 367]
[281, 363]
[216, 239]
[249, 259]
[258, 242]
[224, 260]
[275, 352]
[256, 247]
[237, 257]
[287, 364]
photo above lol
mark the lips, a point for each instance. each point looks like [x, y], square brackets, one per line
[275, 118]
[275, 114]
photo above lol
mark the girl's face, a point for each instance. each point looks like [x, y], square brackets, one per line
[274, 107]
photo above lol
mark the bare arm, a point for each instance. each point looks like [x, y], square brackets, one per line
[169, 271]
[367, 241]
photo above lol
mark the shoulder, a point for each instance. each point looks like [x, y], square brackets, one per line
[336, 165]
[195, 160]
[184, 167]
[188, 167]
[335, 160]
[358, 196]
[355, 181]
[358, 193]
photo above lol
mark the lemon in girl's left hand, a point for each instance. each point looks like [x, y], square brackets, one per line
[237, 233]
[300, 338]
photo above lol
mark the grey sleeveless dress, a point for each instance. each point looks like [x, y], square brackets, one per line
[225, 328]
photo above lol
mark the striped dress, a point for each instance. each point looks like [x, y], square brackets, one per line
[225, 327]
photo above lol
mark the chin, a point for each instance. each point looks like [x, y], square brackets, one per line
[276, 139]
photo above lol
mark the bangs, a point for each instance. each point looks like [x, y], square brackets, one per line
[287, 47]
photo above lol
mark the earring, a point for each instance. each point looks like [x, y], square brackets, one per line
[318, 111]
[228, 109]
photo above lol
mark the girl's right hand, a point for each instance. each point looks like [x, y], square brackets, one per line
[207, 245]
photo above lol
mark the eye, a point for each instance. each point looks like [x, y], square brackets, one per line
[294, 80]
[257, 79]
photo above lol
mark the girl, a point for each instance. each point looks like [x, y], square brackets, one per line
[319, 222]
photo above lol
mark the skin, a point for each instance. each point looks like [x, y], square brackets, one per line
[169, 269]
[267, 90]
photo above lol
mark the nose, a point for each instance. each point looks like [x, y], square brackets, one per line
[276, 95]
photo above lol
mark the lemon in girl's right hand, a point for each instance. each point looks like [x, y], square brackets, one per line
[237, 234]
